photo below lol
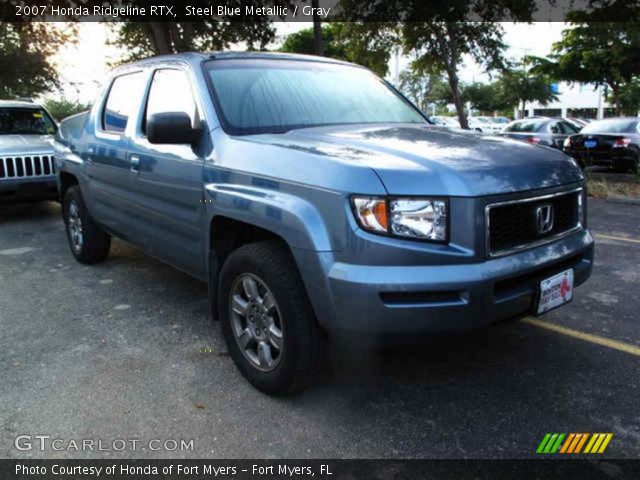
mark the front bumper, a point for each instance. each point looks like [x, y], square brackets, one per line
[28, 189]
[438, 298]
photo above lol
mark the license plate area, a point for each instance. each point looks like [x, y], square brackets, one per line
[555, 291]
[590, 143]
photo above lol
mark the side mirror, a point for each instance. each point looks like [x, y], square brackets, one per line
[170, 127]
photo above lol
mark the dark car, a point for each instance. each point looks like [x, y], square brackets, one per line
[613, 143]
[549, 132]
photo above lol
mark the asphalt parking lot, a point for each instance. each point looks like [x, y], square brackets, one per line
[126, 349]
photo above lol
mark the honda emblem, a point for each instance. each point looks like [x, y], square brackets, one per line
[544, 218]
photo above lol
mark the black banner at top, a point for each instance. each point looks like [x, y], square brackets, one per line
[324, 10]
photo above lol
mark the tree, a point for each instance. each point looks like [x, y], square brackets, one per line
[144, 39]
[424, 90]
[351, 42]
[26, 51]
[318, 45]
[61, 109]
[520, 86]
[602, 53]
[439, 34]
[486, 97]
[629, 97]
[440, 46]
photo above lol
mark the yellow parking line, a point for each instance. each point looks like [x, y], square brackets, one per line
[587, 337]
[620, 239]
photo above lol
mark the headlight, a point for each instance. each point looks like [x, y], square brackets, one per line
[416, 218]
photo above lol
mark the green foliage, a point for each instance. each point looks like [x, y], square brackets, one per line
[144, 39]
[438, 34]
[629, 97]
[26, 49]
[486, 97]
[424, 90]
[352, 42]
[519, 86]
[61, 109]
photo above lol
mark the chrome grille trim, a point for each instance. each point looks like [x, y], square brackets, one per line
[15, 167]
[526, 246]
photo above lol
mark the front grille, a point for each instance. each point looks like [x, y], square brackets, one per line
[27, 166]
[514, 225]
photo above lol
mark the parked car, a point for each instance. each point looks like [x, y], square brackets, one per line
[549, 132]
[613, 142]
[579, 122]
[313, 198]
[443, 121]
[27, 167]
[484, 125]
[502, 121]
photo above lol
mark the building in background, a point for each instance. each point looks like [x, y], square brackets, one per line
[577, 100]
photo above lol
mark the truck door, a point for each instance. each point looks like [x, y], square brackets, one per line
[168, 178]
[108, 167]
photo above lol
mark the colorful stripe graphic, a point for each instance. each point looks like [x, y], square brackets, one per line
[573, 443]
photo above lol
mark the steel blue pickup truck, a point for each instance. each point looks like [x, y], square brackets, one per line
[314, 198]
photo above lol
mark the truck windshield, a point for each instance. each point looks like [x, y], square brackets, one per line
[275, 96]
[25, 121]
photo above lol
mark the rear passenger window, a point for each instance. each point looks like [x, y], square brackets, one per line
[124, 98]
[171, 92]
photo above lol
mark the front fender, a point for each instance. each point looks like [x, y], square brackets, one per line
[291, 217]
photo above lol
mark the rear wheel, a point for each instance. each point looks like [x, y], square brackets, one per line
[266, 318]
[87, 241]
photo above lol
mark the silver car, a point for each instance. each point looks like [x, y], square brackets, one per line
[27, 167]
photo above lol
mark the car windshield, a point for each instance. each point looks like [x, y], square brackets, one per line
[612, 126]
[25, 121]
[275, 96]
[526, 126]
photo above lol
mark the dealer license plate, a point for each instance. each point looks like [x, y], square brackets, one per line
[555, 291]
[590, 143]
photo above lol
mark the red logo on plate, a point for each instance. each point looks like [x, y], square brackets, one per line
[565, 288]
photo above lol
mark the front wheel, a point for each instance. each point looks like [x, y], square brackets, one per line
[87, 241]
[266, 319]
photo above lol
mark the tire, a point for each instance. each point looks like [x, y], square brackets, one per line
[87, 241]
[278, 304]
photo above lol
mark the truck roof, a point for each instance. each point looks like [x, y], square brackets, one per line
[198, 57]
[17, 104]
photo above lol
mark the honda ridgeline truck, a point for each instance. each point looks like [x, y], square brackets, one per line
[313, 197]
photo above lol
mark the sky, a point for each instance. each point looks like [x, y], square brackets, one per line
[85, 65]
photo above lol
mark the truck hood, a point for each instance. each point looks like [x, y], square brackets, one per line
[424, 160]
[19, 144]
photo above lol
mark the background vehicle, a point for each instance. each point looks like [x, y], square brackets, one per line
[502, 121]
[27, 167]
[613, 142]
[549, 132]
[333, 207]
[444, 121]
[579, 122]
[484, 124]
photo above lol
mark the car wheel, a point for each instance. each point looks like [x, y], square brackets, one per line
[266, 319]
[88, 242]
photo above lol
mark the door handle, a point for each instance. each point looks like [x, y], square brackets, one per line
[134, 161]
